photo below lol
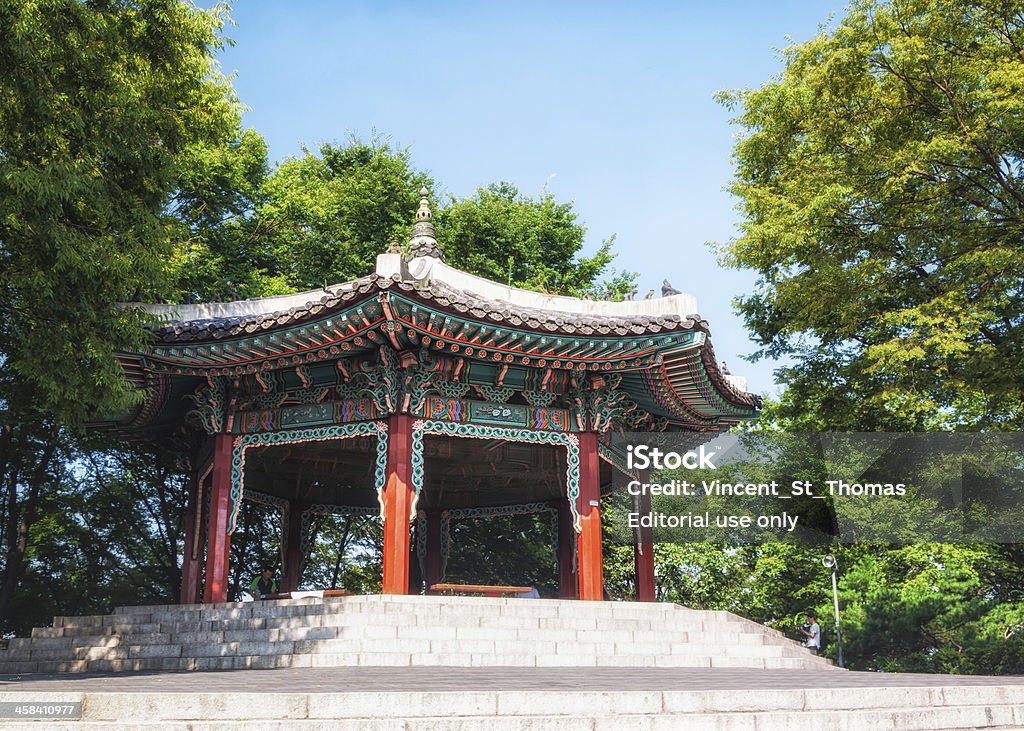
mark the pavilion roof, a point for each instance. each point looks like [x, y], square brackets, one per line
[240, 323]
[662, 344]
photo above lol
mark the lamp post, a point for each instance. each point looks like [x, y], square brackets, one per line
[829, 562]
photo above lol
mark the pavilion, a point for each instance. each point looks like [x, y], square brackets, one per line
[422, 394]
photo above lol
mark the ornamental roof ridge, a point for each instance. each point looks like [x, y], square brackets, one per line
[433, 270]
[502, 310]
[424, 276]
[240, 318]
[424, 235]
[248, 316]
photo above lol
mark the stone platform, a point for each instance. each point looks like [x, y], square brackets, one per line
[542, 699]
[402, 631]
[418, 663]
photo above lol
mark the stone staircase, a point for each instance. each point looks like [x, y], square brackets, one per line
[402, 631]
[810, 709]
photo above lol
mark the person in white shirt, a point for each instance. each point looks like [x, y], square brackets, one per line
[813, 633]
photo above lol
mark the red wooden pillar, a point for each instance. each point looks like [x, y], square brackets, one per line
[643, 550]
[566, 549]
[292, 547]
[588, 545]
[398, 496]
[218, 550]
[192, 555]
[432, 561]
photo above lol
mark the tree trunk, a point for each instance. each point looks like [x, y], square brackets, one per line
[21, 506]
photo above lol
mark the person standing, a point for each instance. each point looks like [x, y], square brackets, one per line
[812, 630]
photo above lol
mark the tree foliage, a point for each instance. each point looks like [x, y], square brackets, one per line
[880, 181]
[345, 553]
[107, 113]
[933, 608]
[504, 236]
[936, 608]
[102, 109]
[107, 531]
[214, 253]
[323, 217]
[515, 550]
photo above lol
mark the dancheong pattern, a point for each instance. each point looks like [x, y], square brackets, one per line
[296, 436]
[571, 442]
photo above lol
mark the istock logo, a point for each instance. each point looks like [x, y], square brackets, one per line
[644, 456]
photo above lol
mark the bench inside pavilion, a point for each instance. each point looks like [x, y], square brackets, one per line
[422, 394]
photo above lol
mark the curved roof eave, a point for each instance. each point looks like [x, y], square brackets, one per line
[429, 279]
[428, 270]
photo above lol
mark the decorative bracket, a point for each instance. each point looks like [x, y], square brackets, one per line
[571, 442]
[210, 405]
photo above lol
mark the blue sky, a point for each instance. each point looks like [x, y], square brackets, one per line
[609, 105]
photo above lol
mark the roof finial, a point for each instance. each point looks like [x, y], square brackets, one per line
[423, 214]
[424, 237]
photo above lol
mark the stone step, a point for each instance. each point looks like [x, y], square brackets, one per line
[813, 709]
[413, 630]
[420, 600]
[392, 659]
[315, 638]
[542, 606]
[355, 610]
[525, 608]
[119, 663]
[125, 650]
[202, 646]
[919, 720]
[859, 721]
[634, 628]
[362, 619]
[386, 626]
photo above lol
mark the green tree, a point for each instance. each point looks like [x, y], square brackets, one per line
[108, 531]
[880, 179]
[323, 218]
[934, 608]
[513, 550]
[254, 544]
[345, 553]
[500, 234]
[102, 109]
[216, 253]
[105, 111]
